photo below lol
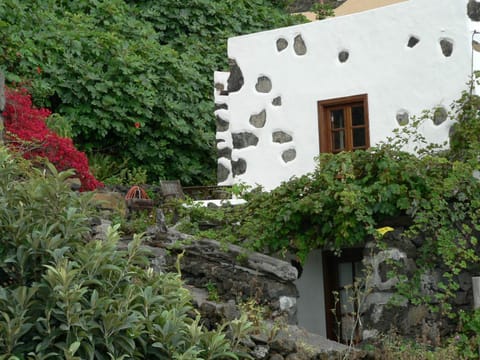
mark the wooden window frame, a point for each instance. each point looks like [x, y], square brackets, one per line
[324, 123]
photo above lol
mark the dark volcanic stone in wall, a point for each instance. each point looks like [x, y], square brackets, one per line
[277, 101]
[263, 85]
[281, 137]
[282, 44]
[289, 155]
[473, 10]
[222, 173]
[235, 80]
[239, 167]
[447, 47]
[343, 56]
[258, 120]
[243, 140]
[439, 115]
[226, 152]
[299, 45]
[413, 41]
[222, 125]
[219, 106]
[403, 118]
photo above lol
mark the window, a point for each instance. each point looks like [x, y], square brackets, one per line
[343, 124]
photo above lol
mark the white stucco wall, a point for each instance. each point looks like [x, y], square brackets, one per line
[380, 64]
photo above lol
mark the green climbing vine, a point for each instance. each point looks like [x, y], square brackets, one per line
[351, 194]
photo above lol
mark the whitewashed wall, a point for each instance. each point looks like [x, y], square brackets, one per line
[396, 77]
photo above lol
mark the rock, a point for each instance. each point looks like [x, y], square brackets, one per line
[111, 201]
[94, 221]
[218, 253]
[199, 296]
[299, 45]
[287, 302]
[276, 357]
[160, 228]
[465, 281]
[259, 339]
[235, 80]
[74, 183]
[284, 346]
[229, 310]
[264, 84]
[99, 232]
[308, 345]
[296, 356]
[260, 352]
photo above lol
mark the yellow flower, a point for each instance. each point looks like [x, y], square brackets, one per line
[382, 231]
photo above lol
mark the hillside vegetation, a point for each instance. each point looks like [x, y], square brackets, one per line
[64, 297]
[133, 79]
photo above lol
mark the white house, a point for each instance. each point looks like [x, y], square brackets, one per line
[368, 71]
[343, 83]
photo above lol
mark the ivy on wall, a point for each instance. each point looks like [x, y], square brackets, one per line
[436, 193]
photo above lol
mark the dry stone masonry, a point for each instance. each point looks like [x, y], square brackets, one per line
[383, 310]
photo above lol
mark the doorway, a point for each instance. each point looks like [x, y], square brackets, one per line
[340, 273]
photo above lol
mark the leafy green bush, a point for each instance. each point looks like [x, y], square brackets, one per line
[133, 78]
[64, 298]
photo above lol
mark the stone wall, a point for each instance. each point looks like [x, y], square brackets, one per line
[222, 276]
[237, 277]
[233, 273]
[383, 311]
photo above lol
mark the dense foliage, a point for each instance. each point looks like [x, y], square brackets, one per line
[133, 78]
[62, 297]
[27, 132]
[351, 194]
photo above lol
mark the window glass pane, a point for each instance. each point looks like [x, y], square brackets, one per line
[346, 304]
[345, 276]
[359, 137]
[358, 117]
[337, 118]
[359, 269]
[338, 140]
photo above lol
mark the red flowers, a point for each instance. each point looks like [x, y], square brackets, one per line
[137, 125]
[39, 70]
[26, 124]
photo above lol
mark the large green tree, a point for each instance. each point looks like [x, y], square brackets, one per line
[133, 78]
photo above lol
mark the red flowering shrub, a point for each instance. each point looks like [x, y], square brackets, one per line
[26, 130]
